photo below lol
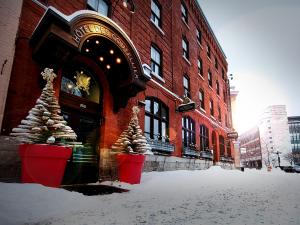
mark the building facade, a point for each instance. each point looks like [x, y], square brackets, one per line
[274, 135]
[251, 155]
[152, 53]
[294, 129]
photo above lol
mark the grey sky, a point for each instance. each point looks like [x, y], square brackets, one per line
[261, 39]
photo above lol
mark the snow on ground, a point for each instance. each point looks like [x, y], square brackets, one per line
[213, 196]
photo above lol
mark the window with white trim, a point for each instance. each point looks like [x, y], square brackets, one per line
[184, 13]
[100, 6]
[156, 61]
[201, 99]
[186, 86]
[185, 48]
[156, 13]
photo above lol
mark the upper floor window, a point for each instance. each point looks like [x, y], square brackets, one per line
[156, 13]
[218, 87]
[156, 60]
[216, 63]
[211, 107]
[224, 96]
[188, 131]
[204, 138]
[186, 86]
[184, 13]
[226, 120]
[185, 47]
[222, 145]
[200, 67]
[100, 6]
[208, 51]
[156, 119]
[209, 78]
[201, 99]
[223, 74]
[198, 35]
[219, 114]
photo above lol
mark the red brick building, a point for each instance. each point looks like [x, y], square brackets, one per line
[151, 53]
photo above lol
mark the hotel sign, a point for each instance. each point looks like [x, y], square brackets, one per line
[83, 30]
[232, 135]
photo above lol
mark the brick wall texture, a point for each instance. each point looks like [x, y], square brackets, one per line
[25, 85]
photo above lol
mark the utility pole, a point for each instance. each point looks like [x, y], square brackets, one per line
[278, 158]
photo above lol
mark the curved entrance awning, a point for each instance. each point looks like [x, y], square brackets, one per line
[57, 37]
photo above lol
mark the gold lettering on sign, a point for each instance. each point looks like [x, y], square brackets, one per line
[88, 28]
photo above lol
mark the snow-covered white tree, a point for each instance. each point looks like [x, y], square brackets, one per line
[132, 139]
[44, 124]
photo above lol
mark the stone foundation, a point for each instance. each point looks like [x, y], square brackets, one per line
[169, 163]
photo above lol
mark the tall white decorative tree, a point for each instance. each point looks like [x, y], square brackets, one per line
[132, 139]
[44, 124]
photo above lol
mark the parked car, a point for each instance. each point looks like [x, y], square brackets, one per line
[297, 168]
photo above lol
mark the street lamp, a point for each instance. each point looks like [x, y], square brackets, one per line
[129, 4]
[278, 158]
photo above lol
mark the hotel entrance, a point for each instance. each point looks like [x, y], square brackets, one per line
[80, 98]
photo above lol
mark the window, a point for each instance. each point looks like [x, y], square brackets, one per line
[211, 107]
[201, 99]
[218, 87]
[216, 63]
[223, 74]
[200, 67]
[228, 149]
[204, 138]
[188, 132]
[222, 145]
[226, 120]
[156, 61]
[156, 13]
[198, 35]
[224, 96]
[156, 119]
[185, 47]
[186, 87]
[184, 13]
[219, 114]
[100, 6]
[209, 78]
[208, 51]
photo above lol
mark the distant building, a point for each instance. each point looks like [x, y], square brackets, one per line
[233, 95]
[294, 129]
[274, 135]
[251, 156]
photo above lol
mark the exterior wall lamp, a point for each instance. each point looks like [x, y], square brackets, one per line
[129, 4]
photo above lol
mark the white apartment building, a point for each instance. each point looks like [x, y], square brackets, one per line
[274, 135]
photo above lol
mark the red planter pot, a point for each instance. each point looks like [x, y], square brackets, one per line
[130, 168]
[43, 164]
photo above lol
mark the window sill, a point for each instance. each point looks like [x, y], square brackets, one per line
[210, 87]
[202, 110]
[201, 76]
[213, 117]
[200, 44]
[187, 60]
[158, 28]
[185, 23]
[208, 58]
[158, 77]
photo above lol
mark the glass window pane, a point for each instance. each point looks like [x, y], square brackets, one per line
[93, 4]
[102, 8]
[163, 129]
[148, 105]
[156, 108]
[147, 124]
[163, 113]
[155, 129]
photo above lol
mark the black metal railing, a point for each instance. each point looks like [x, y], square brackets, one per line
[190, 151]
[224, 158]
[206, 154]
[160, 146]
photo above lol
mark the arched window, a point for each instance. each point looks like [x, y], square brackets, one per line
[156, 120]
[204, 138]
[100, 6]
[222, 145]
[188, 131]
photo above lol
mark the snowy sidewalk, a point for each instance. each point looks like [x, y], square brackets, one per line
[213, 196]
